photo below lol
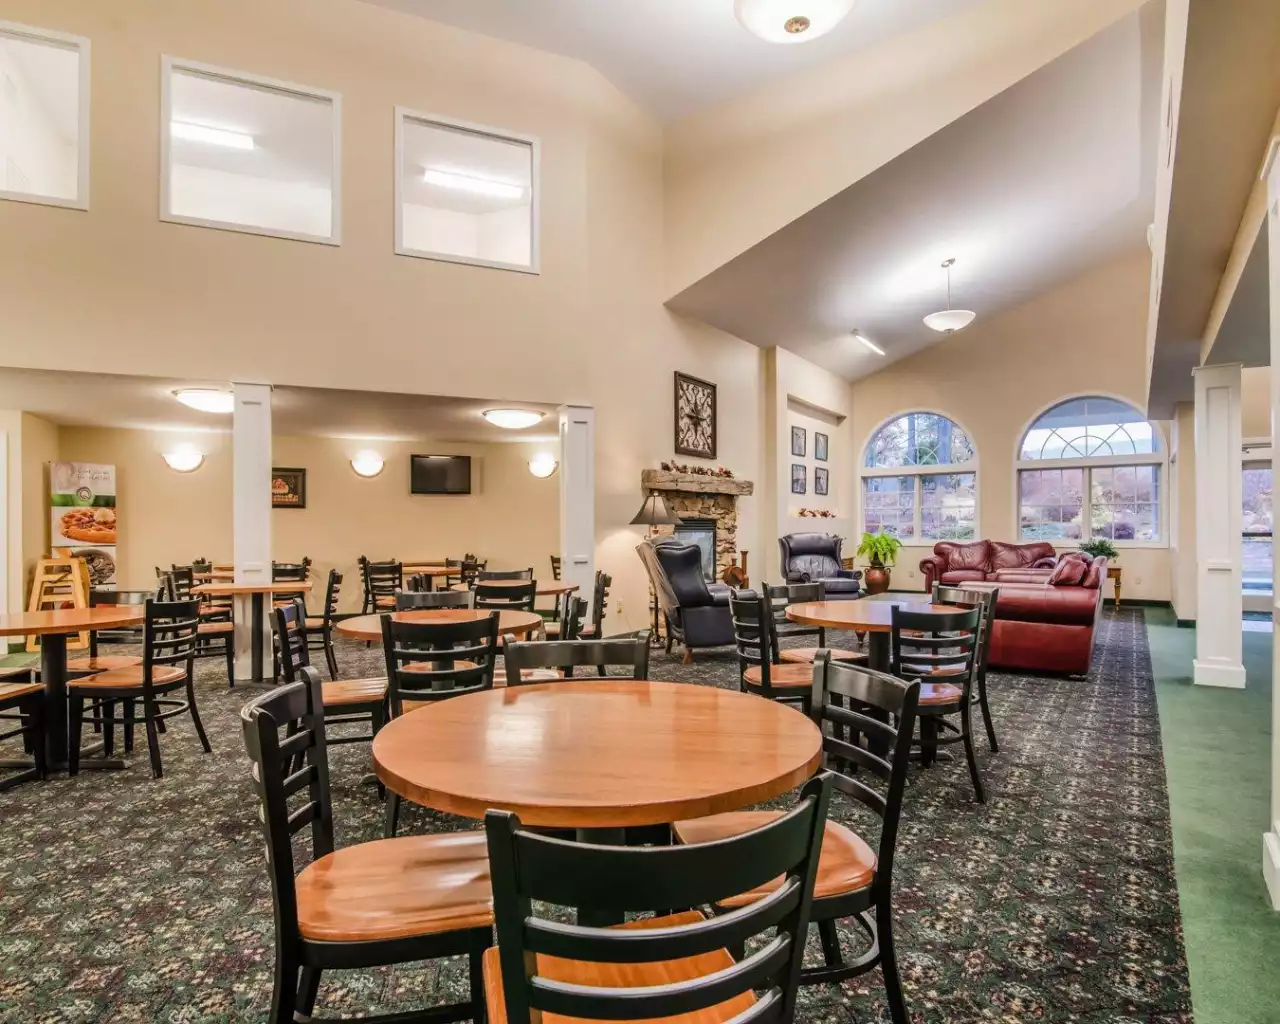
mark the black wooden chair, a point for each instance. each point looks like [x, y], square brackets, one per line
[415, 600]
[564, 656]
[216, 636]
[675, 967]
[855, 878]
[385, 580]
[556, 567]
[506, 596]
[171, 635]
[984, 599]
[599, 605]
[289, 572]
[22, 701]
[319, 628]
[569, 625]
[433, 661]
[940, 650]
[484, 575]
[96, 661]
[468, 566]
[784, 629]
[760, 670]
[390, 901]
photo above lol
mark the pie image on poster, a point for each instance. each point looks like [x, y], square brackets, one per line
[89, 525]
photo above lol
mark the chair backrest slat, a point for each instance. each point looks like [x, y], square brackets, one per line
[291, 639]
[170, 636]
[629, 652]
[407, 600]
[432, 661]
[485, 575]
[518, 595]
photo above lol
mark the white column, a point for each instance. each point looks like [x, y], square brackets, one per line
[578, 497]
[1219, 604]
[1271, 840]
[251, 518]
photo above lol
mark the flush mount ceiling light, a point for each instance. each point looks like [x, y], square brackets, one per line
[184, 459]
[513, 419]
[868, 343]
[472, 183]
[949, 320]
[367, 463]
[210, 136]
[543, 465]
[206, 399]
[790, 21]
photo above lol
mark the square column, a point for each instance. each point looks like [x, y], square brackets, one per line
[578, 498]
[1271, 839]
[1219, 520]
[251, 515]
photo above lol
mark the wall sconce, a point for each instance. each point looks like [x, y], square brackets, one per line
[543, 465]
[367, 464]
[184, 459]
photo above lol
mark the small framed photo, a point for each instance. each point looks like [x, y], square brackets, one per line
[288, 488]
[799, 478]
[798, 437]
[821, 478]
[820, 448]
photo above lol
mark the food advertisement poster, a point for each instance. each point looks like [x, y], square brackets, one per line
[83, 517]
[288, 488]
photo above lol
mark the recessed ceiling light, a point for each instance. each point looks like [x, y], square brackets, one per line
[472, 183]
[210, 136]
[790, 21]
[206, 399]
[513, 419]
[948, 321]
[868, 343]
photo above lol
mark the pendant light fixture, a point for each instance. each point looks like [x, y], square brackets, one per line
[949, 320]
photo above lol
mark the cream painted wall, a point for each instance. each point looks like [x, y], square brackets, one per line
[994, 378]
[589, 329]
[168, 517]
[39, 448]
[1255, 402]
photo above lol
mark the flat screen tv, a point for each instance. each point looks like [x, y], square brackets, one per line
[440, 474]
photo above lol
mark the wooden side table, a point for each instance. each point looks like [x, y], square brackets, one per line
[1113, 573]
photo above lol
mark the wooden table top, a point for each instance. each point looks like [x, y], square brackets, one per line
[71, 620]
[369, 627]
[427, 569]
[598, 754]
[864, 615]
[216, 574]
[544, 589]
[279, 586]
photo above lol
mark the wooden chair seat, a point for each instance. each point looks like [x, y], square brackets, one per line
[314, 622]
[624, 975]
[413, 667]
[396, 888]
[384, 602]
[847, 864]
[215, 629]
[102, 663]
[805, 655]
[16, 691]
[17, 672]
[587, 630]
[933, 671]
[123, 678]
[790, 676]
[939, 693]
[535, 675]
[353, 691]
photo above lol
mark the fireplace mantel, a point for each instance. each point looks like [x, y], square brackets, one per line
[694, 483]
[693, 496]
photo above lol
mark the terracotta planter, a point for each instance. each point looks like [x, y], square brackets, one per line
[876, 579]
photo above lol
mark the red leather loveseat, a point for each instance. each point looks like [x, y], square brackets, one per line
[1047, 611]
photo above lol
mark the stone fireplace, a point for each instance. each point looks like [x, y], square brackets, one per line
[709, 500]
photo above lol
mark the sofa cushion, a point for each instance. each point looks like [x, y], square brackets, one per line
[1020, 575]
[1096, 574]
[1070, 572]
[962, 557]
[1041, 603]
[1017, 556]
[962, 576]
[840, 586]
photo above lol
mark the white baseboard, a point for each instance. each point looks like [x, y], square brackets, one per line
[1271, 866]
[1216, 673]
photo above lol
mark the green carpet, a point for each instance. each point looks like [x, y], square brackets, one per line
[1217, 752]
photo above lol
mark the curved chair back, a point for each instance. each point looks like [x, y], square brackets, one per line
[408, 600]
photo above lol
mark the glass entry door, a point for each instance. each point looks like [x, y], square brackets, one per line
[1258, 571]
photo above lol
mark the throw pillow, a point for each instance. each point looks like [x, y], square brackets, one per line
[1070, 572]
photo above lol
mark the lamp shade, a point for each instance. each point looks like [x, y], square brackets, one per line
[948, 321]
[654, 512]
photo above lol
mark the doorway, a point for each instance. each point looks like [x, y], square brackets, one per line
[1258, 569]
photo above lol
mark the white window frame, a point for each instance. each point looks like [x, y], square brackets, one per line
[168, 65]
[81, 45]
[1159, 458]
[534, 266]
[942, 469]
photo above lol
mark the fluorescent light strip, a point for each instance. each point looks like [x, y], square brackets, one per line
[869, 343]
[468, 183]
[211, 136]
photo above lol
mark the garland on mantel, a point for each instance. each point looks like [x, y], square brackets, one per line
[816, 513]
[676, 467]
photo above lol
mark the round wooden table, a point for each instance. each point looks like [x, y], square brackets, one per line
[870, 615]
[543, 590]
[369, 627]
[598, 754]
[256, 592]
[53, 628]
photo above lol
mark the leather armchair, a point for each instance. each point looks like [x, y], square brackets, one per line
[815, 558]
[697, 614]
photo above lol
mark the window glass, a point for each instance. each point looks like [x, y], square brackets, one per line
[1051, 503]
[1258, 523]
[1089, 428]
[250, 156]
[919, 439]
[888, 504]
[466, 195]
[948, 505]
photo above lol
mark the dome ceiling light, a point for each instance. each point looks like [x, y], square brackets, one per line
[790, 21]
[543, 465]
[513, 419]
[949, 320]
[206, 399]
[367, 464]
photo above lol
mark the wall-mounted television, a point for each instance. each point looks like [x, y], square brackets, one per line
[440, 474]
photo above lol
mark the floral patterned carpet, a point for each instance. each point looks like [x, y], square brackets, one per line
[124, 899]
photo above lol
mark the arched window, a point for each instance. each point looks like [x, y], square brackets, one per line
[1087, 468]
[913, 485]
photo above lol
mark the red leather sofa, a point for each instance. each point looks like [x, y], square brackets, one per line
[1040, 626]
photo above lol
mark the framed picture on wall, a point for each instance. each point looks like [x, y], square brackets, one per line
[821, 478]
[820, 447]
[798, 442]
[695, 417]
[799, 478]
[288, 488]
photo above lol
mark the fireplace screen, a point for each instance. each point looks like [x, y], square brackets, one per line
[703, 533]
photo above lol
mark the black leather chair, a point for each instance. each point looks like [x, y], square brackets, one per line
[696, 613]
[815, 558]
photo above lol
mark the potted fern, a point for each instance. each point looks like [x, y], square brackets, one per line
[880, 550]
[1100, 547]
